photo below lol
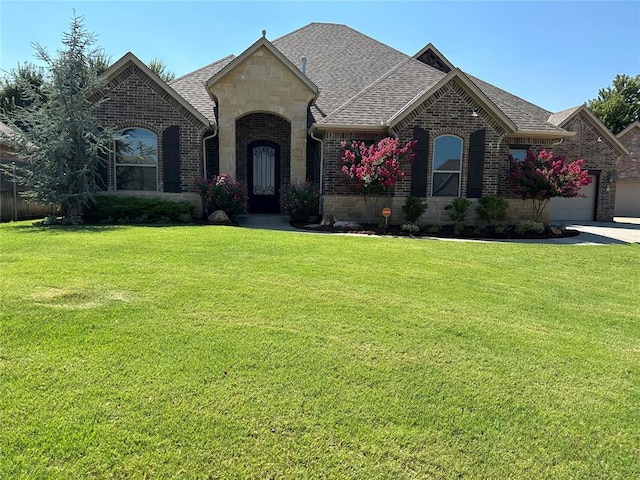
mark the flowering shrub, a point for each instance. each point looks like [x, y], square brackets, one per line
[221, 192]
[542, 177]
[299, 201]
[374, 169]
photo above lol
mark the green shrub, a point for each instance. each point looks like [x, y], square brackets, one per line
[529, 227]
[413, 208]
[299, 201]
[492, 209]
[108, 209]
[223, 193]
[459, 209]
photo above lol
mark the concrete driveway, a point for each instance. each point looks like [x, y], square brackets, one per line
[622, 230]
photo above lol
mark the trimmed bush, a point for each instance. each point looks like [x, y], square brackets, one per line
[117, 209]
[413, 208]
[222, 192]
[492, 209]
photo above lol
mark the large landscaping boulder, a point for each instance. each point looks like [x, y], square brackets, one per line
[219, 217]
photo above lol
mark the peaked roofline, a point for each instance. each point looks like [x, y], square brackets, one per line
[480, 97]
[628, 128]
[263, 42]
[130, 59]
[602, 129]
[431, 46]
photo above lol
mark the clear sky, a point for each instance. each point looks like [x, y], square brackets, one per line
[555, 54]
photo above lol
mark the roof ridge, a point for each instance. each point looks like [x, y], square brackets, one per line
[231, 55]
[366, 89]
[305, 26]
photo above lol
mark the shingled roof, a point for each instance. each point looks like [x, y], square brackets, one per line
[192, 87]
[362, 81]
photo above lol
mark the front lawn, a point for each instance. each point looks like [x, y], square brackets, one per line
[220, 352]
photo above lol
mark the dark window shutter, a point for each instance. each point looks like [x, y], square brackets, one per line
[476, 164]
[102, 170]
[171, 159]
[420, 162]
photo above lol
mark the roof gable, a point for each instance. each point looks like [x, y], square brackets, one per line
[431, 56]
[566, 116]
[629, 127]
[456, 75]
[262, 42]
[130, 59]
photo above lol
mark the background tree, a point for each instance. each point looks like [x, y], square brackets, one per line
[157, 66]
[62, 138]
[100, 61]
[541, 177]
[25, 77]
[618, 105]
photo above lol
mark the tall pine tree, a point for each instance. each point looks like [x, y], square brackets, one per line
[60, 135]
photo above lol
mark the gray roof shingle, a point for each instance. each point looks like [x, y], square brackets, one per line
[192, 87]
[361, 81]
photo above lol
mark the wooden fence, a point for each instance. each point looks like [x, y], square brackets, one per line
[15, 207]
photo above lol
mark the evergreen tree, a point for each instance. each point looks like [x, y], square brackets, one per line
[62, 139]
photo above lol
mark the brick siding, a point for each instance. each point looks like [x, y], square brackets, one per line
[263, 126]
[135, 100]
[629, 165]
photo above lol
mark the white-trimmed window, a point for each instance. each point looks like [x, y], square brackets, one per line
[447, 166]
[136, 161]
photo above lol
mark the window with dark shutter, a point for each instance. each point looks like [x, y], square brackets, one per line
[420, 162]
[171, 159]
[476, 164]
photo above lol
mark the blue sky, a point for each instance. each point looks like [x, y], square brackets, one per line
[554, 54]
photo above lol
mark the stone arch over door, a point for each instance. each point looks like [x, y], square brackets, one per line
[263, 129]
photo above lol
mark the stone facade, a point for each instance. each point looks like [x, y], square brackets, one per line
[262, 83]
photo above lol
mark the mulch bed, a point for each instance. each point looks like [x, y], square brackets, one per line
[446, 231]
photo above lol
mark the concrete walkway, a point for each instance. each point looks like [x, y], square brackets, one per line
[622, 231]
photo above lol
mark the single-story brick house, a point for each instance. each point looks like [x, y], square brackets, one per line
[628, 180]
[278, 112]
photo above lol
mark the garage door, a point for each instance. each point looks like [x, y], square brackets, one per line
[575, 209]
[627, 199]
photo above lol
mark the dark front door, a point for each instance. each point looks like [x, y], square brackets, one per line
[263, 177]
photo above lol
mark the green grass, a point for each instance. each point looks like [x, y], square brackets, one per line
[215, 352]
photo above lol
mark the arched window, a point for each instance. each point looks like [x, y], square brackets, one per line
[447, 165]
[136, 160]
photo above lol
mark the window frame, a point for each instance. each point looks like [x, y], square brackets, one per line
[519, 148]
[117, 164]
[434, 171]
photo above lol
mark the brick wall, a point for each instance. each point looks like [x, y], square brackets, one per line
[629, 165]
[262, 126]
[599, 156]
[135, 100]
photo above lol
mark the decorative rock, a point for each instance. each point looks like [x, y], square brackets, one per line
[219, 217]
[328, 220]
[347, 225]
[555, 231]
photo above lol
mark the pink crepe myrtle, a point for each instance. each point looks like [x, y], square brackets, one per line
[543, 176]
[376, 168]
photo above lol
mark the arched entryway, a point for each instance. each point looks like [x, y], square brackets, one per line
[263, 146]
[263, 176]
